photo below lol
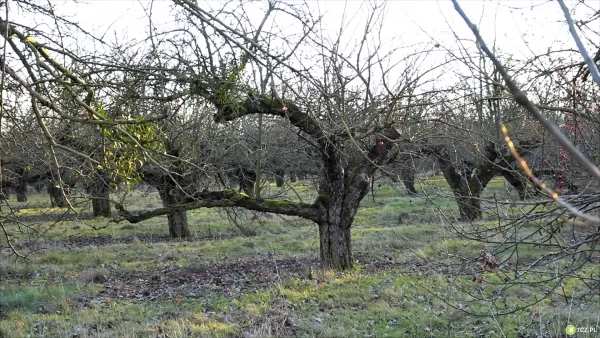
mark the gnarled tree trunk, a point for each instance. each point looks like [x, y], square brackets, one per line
[408, 179]
[334, 229]
[340, 194]
[170, 194]
[279, 173]
[177, 220]
[57, 198]
[246, 179]
[335, 246]
[21, 188]
[407, 173]
[468, 183]
[100, 193]
[178, 224]
[469, 205]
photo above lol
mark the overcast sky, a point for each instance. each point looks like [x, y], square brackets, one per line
[514, 24]
[520, 28]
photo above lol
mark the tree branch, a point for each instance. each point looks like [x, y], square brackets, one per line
[586, 56]
[524, 101]
[268, 106]
[227, 198]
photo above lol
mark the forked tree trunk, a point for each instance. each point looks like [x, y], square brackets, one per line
[100, 193]
[466, 184]
[21, 189]
[339, 200]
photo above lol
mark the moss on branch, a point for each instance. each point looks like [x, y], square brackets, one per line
[227, 198]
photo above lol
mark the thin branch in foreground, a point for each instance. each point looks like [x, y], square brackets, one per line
[542, 185]
[586, 56]
[524, 101]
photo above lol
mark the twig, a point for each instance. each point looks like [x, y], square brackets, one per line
[586, 56]
[542, 185]
[524, 101]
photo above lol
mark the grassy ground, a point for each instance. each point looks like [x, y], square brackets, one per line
[413, 278]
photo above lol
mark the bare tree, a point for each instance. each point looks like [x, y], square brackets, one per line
[555, 98]
[172, 111]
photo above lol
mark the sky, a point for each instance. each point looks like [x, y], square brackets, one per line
[520, 28]
[407, 22]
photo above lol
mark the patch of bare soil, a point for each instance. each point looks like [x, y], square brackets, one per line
[230, 278]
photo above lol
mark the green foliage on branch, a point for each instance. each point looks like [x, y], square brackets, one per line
[128, 147]
[224, 94]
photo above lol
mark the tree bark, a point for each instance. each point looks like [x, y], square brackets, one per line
[468, 183]
[170, 194]
[178, 224]
[469, 205]
[21, 189]
[340, 194]
[279, 173]
[57, 198]
[335, 225]
[335, 246]
[408, 179]
[517, 181]
[407, 173]
[5, 192]
[246, 180]
[177, 219]
[100, 193]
